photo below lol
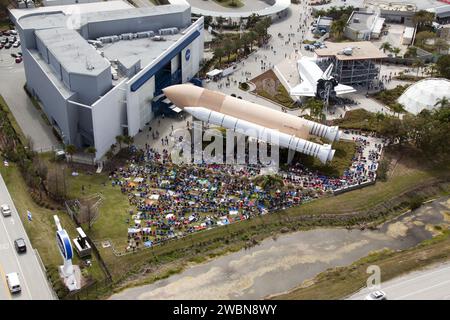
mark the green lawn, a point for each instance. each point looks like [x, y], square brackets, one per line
[13, 121]
[230, 3]
[342, 160]
[41, 230]
[111, 223]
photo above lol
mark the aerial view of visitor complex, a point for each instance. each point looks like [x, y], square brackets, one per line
[232, 150]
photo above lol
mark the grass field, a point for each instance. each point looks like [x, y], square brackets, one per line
[111, 222]
[230, 3]
[342, 160]
[340, 282]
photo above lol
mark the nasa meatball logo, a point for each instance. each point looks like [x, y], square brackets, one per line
[187, 55]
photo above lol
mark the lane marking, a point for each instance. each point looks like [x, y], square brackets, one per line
[12, 246]
[415, 278]
[422, 290]
[45, 283]
[3, 275]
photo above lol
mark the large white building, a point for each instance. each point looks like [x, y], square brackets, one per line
[97, 67]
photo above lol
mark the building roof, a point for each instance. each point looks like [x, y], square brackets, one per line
[324, 21]
[58, 18]
[362, 21]
[244, 12]
[128, 52]
[424, 94]
[68, 9]
[398, 6]
[360, 50]
[73, 52]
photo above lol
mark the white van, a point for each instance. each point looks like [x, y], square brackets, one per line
[13, 282]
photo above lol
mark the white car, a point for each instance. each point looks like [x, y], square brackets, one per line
[6, 210]
[12, 279]
[376, 295]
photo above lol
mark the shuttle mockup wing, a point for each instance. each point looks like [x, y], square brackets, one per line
[342, 89]
[303, 89]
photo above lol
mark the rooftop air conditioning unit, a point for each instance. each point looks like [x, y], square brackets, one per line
[348, 51]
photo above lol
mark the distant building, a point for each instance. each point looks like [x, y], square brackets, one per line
[442, 14]
[23, 4]
[97, 67]
[323, 25]
[408, 35]
[398, 12]
[355, 63]
[363, 26]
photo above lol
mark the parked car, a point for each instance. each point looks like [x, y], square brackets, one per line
[6, 210]
[13, 55]
[376, 295]
[4, 41]
[18, 59]
[20, 245]
[12, 32]
[19, 53]
[12, 279]
[16, 44]
[8, 46]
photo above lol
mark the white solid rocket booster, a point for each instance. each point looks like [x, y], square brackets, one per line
[254, 120]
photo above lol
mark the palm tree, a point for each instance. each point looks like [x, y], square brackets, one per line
[109, 154]
[245, 41]
[386, 46]
[315, 107]
[252, 37]
[219, 53]
[91, 150]
[396, 51]
[441, 45]
[228, 49]
[338, 27]
[119, 140]
[418, 64]
[442, 102]
[71, 150]
[397, 108]
[220, 20]
[128, 140]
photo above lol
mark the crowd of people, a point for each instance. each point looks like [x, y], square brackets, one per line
[171, 201]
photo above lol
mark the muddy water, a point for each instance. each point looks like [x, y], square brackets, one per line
[276, 266]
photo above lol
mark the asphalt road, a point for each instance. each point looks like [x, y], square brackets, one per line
[12, 79]
[32, 278]
[429, 284]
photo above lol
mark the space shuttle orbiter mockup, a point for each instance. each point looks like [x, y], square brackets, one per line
[253, 120]
[311, 75]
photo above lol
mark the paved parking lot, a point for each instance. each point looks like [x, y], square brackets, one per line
[12, 79]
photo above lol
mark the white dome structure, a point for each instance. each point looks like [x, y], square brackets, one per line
[424, 94]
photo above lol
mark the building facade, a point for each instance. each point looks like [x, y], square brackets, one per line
[96, 67]
[354, 63]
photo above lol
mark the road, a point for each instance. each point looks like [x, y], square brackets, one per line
[12, 79]
[429, 284]
[32, 278]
